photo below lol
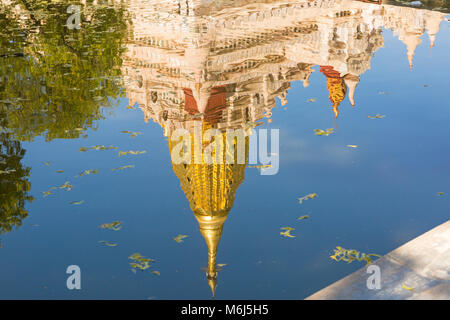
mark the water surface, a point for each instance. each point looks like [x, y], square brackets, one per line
[138, 67]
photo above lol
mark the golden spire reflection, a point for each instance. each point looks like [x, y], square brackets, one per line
[210, 190]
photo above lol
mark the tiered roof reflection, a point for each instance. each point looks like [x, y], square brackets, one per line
[222, 64]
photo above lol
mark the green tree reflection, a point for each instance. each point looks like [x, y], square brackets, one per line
[53, 80]
[14, 184]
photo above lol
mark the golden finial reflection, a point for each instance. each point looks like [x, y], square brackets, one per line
[210, 190]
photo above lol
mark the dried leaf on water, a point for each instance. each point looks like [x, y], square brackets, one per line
[179, 238]
[132, 133]
[66, 186]
[123, 167]
[115, 225]
[326, 132]
[377, 116]
[99, 147]
[303, 217]
[440, 193]
[109, 244]
[287, 232]
[88, 172]
[77, 202]
[311, 100]
[46, 193]
[140, 262]
[307, 197]
[261, 166]
[156, 272]
[341, 254]
[354, 146]
[122, 153]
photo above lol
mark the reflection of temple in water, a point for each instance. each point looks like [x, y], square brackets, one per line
[183, 62]
[222, 64]
[210, 190]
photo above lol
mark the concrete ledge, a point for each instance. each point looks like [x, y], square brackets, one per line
[422, 264]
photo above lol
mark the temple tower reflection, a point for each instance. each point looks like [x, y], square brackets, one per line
[210, 190]
[224, 64]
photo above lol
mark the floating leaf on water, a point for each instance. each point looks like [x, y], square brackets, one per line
[88, 172]
[303, 217]
[341, 254]
[287, 233]
[135, 256]
[261, 166]
[179, 238]
[354, 146]
[440, 193]
[311, 100]
[109, 244]
[130, 107]
[123, 167]
[66, 186]
[132, 133]
[59, 171]
[46, 193]
[308, 196]
[122, 153]
[77, 202]
[102, 147]
[321, 132]
[99, 147]
[407, 288]
[47, 163]
[115, 225]
[157, 273]
[377, 116]
[140, 262]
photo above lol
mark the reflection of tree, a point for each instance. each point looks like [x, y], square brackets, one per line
[14, 184]
[54, 80]
[428, 4]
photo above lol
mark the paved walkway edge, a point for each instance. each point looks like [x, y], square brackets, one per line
[419, 269]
